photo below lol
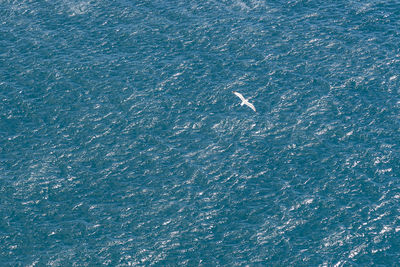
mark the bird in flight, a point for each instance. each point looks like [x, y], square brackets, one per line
[244, 101]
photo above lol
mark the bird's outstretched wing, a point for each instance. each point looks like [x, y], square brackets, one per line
[251, 106]
[240, 96]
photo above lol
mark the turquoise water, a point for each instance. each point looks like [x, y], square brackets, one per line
[121, 143]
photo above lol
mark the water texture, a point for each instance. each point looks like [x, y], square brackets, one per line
[121, 143]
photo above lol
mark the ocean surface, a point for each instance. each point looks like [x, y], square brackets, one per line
[122, 144]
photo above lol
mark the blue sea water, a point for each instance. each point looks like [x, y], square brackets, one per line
[121, 143]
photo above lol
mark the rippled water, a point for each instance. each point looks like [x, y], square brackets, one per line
[121, 142]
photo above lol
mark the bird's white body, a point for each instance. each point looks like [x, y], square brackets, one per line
[244, 101]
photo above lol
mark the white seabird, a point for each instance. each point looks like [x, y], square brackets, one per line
[244, 101]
